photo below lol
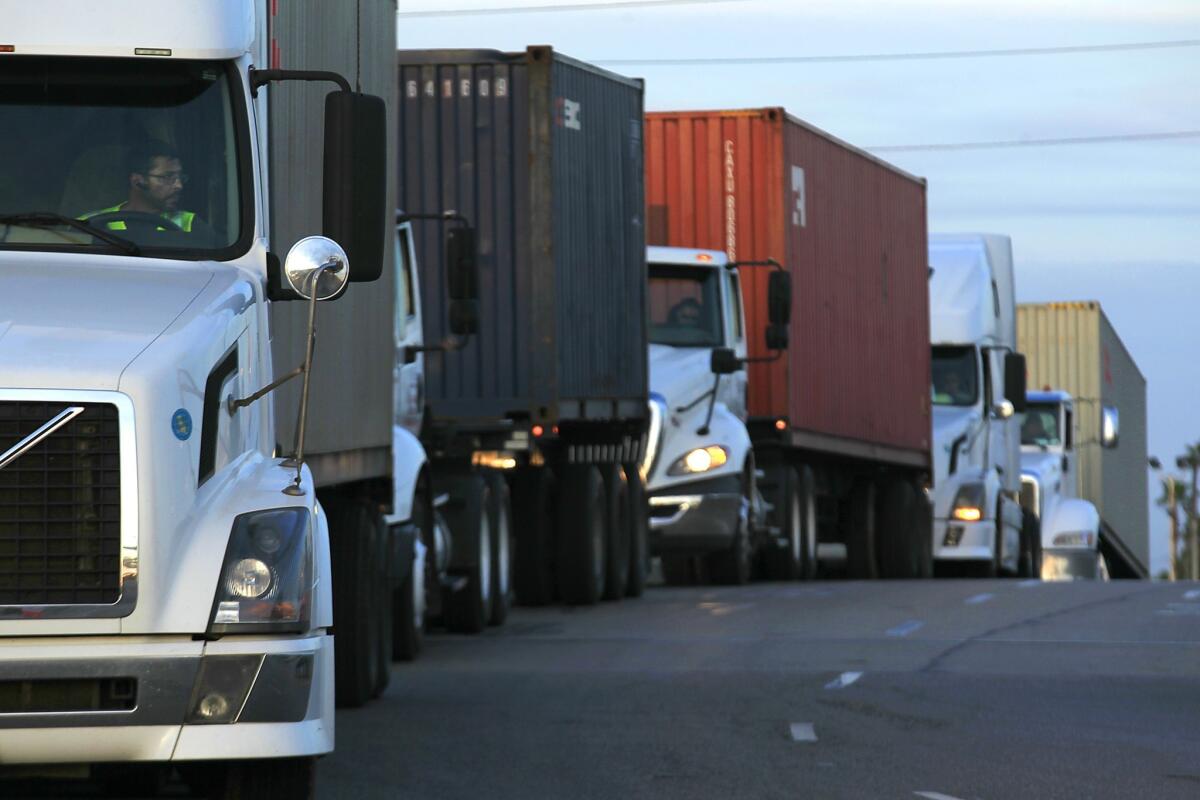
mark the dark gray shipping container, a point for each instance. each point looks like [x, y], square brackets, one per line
[542, 154]
[350, 414]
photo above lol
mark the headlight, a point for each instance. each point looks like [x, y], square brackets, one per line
[702, 459]
[1081, 539]
[969, 502]
[266, 580]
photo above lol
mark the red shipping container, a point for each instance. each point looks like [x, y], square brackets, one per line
[852, 231]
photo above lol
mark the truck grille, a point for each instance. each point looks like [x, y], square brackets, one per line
[60, 506]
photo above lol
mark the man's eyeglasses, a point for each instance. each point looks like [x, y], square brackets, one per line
[170, 177]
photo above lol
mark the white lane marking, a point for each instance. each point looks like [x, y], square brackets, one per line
[1192, 595]
[976, 599]
[905, 628]
[803, 732]
[935, 796]
[1180, 610]
[843, 680]
[1025, 584]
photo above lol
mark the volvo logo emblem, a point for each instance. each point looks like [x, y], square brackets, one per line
[34, 439]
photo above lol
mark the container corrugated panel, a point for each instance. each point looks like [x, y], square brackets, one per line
[851, 229]
[1073, 347]
[350, 412]
[542, 155]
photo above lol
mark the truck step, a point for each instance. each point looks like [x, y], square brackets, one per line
[455, 583]
[441, 500]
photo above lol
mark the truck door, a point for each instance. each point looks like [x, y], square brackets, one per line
[410, 363]
[733, 387]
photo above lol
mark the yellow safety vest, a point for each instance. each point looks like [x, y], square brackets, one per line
[183, 219]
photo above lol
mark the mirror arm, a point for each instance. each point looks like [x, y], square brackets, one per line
[697, 401]
[261, 77]
[712, 403]
[232, 404]
[768, 262]
[442, 216]
[448, 345]
[764, 359]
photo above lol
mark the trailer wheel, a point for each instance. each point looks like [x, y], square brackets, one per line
[357, 581]
[468, 609]
[639, 533]
[794, 516]
[533, 503]
[386, 592]
[858, 527]
[500, 518]
[262, 778]
[582, 526]
[616, 491]
[1030, 565]
[905, 546]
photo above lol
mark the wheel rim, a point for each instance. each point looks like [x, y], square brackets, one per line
[502, 555]
[485, 559]
[810, 529]
[598, 540]
[798, 544]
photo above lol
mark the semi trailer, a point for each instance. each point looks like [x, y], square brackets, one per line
[520, 180]
[1072, 347]
[836, 408]
[180, 454]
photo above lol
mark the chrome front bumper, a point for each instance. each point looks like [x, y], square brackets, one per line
[92, 700]
[1070, 564]
[697, 517]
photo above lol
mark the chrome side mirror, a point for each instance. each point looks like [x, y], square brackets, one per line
[317, 267]
[1110, 426]
[1004, 409]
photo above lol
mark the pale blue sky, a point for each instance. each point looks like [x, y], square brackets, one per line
[1118, 223]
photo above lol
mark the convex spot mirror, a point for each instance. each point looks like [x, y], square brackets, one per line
[316, 265]
[1110, 426]
[725, 361]
[354, 195]
[1014, 381]
[779, 298]
[462, 279]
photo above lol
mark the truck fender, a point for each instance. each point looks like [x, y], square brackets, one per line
[732, 433]
[408, 459]
[1070, 515]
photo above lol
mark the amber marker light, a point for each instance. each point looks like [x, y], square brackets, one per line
[537, 431]
[968, 514]
[7, 48]
[703, 257]
[781, 424]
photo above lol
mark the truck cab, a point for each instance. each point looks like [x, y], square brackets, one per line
[978, 393]
[699, 464]
[1070, 526]
[166, 587]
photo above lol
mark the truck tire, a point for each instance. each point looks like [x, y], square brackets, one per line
[616, 561]
[500, 518]
[582, 528]
[535, 546]
[858, 528]
[265, 779]
[794, 515]
[386, 592]
[639, 533]
[357, 581]
[469, 609]
[1030, 565]
[678, 570]
[408, 603]
[905, 546]
[734, 565]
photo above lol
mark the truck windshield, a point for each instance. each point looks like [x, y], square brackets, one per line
[144, 150]
[1041, 425]
[955, 376]
[685, 306]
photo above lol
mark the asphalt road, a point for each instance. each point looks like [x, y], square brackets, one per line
[939, 689]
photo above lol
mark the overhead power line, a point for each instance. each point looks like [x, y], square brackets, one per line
[1069, 140]
[920, 56]
[556, 7]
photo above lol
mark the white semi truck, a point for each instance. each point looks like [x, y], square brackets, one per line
[167, 591]
[978, 393]
[1069, 545]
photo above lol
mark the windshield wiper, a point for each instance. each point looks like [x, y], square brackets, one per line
[45, 219]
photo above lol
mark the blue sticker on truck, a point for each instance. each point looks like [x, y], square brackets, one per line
[181, 424]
